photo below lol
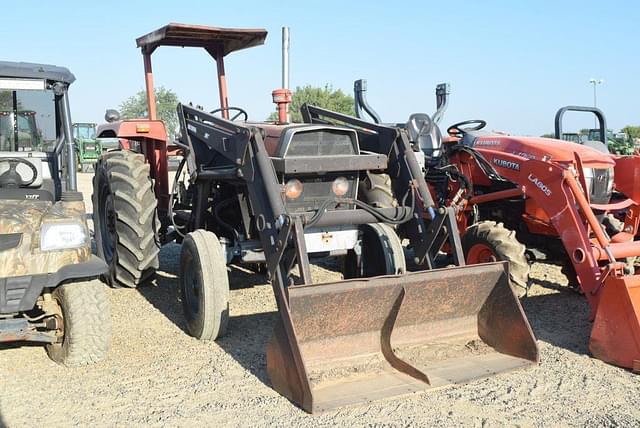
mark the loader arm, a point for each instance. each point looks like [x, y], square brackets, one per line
[613, 295]
[426, 238]
[347, 342]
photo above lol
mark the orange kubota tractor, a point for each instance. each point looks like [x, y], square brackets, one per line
[569, 203]
[283, 194]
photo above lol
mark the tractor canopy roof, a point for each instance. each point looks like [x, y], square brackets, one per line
[36, 71]
[217, 41]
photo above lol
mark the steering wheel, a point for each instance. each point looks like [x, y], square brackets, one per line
[240, 112]
[12, 178]
[457, 129]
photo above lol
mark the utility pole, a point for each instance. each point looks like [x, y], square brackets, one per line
[595, 83]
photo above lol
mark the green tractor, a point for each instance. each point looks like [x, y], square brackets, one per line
[572, 137]
[88, 147]
[618, 143]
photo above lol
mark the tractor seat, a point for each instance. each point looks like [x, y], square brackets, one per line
[423, 131]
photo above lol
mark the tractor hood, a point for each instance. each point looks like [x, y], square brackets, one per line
[543, 148]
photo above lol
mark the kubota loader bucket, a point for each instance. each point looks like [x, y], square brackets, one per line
[615, 335]
[361, 340]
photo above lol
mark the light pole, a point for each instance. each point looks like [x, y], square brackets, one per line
[595, 83]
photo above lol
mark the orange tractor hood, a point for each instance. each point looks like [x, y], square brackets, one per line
[543, 149]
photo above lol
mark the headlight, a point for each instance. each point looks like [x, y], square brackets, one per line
[340, 186]
[62, 236]
[293, 188]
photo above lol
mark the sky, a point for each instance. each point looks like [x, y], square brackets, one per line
[511, 63]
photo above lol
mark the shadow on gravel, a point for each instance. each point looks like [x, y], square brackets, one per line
[14, 345]
[561, 319]
[246, 341]
[2, 423]
[247, 335]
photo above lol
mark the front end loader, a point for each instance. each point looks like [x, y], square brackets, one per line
[571, 204]
[561, 200]
[283, 195]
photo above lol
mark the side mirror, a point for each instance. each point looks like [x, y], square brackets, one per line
[111, 115]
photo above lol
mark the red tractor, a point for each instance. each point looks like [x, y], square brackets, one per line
[282, 194]
[571, 204]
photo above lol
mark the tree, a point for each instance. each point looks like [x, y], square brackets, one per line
[325, 97]
[548, 136]
[135, 107]
[632, 131]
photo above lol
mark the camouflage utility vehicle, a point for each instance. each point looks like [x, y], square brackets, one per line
[49, 287]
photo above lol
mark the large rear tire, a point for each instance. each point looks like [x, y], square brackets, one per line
[204, 285]
[488, 241]
[376, 191]
[381, 253]
[125, 218]
[84, 311]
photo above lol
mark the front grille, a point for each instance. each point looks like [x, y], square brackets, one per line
[316, 190]
[601, 186]
[322, 143]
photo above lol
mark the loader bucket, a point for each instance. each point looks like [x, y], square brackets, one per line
[361, 340]
[615, 335]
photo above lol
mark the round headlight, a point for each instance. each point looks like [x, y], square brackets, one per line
[293, 188]
[340, 186]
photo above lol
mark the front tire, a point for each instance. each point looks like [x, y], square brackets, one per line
[125, 218]
[488, 241]
[204, 285]
[84, 310]
[381, 253]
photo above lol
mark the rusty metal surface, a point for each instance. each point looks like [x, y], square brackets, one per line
[372, 338]
[12, 330]
[226, 39]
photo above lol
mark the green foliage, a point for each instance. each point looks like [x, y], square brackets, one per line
[548, 136]
[632, 131]
[135, 107]
[325, 97]
[6, 101]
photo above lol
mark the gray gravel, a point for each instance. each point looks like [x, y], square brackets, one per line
[157, 375]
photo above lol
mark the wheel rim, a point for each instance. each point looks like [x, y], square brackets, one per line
[58, 314]
[191, 288]
[108, 233]
[481, 253]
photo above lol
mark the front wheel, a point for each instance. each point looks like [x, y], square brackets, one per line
[488, 241]
[379, 252]
[82, 310]
[204, 285]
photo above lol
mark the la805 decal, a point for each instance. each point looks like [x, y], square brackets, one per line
[540, 185]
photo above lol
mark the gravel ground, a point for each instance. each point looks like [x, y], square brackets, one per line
[157, 375]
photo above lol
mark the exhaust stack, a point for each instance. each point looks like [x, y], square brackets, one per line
[282, 97]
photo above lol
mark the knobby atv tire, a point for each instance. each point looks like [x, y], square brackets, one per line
[204, 285]
[124, 177]
[505, 247]
[377, 192]
[84, 307]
